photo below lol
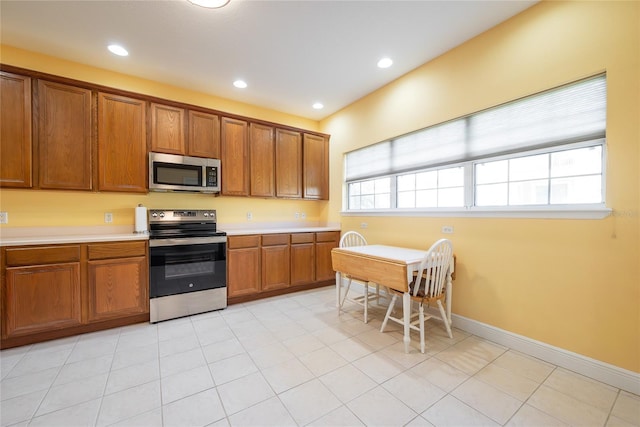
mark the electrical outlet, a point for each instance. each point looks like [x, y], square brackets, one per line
[363, 225]
[108, 217]
[447, 229]
[297, 215]
[4, 217]
[249, 216]
[303, 215]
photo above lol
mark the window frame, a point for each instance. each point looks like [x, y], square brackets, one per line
[549, 210]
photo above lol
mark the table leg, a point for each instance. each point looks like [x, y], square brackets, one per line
[449, 292]
[406, 314]
[338, 289]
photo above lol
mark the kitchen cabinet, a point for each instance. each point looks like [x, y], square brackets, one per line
[122, 144]
[234, 157]
[288, 163]
[167, 129]
[53, 291]
[302, 258]
[15, 131]
[315, 167]
[42, 289]
[243, 265]
[117, 280]
[262, 160]
[260, 266]
[325, 241]
[204, 135]
[64, 133]
[275, 261]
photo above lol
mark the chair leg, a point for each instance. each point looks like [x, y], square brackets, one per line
[444, 319]
[346, 292]
[389, 310]
[422, 328]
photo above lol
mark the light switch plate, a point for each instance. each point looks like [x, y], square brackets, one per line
[4, 217]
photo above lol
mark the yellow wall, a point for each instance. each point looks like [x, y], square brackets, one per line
[574, 284]
[28, 208]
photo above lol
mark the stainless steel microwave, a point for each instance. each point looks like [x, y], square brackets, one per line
[170, 172]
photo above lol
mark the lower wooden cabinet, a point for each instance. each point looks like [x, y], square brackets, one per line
[41, 298]
[275, 261]
[243, 265]
[117, 286]
[259, 266]
[51, 291]
[303, 264]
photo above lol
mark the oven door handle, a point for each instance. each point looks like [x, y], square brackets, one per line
[153, 243]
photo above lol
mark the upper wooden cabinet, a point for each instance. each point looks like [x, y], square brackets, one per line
[262, 160]
[288, 163]
[15, 131]
[64, 132]
[122, 144]
[204, 135]
[234, 157]
[315, 167]
[167, 129]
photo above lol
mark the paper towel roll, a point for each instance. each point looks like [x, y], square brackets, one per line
[141, 219]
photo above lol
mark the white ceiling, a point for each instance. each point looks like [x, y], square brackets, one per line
[291, 53]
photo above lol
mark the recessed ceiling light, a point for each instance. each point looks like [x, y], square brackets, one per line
[211, 4]
[385, 63]
[116, 49]
[241, 84]
[318, 106]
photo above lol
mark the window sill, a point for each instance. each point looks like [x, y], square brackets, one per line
[546, 212]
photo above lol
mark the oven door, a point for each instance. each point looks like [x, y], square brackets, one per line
[183, 268]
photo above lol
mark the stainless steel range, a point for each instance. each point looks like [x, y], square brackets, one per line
[188, 263]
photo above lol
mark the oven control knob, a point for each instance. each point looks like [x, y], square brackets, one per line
[161, 214]
[154, 214]
[206, 214]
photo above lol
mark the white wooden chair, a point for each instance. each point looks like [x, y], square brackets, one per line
[353, 238]
[428, 286]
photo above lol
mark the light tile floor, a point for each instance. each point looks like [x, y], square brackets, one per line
[292, 361]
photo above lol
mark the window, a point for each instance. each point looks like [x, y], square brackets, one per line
[543, 151]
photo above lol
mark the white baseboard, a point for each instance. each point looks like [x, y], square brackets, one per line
[592, 368]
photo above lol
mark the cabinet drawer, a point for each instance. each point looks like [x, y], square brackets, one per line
[275, 239]
[117, 250]
[328, 236]
[302, 238]
[236, 242]
[42, 255]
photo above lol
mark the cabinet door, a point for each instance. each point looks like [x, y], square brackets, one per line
[15, 131]
[275, 267]
[41, 298]
[64, 133]
[204, 135]
[262, 160]
[234, 156]
[243, 271]
[316, 167]
[117, 288]
[324, 243]
[288, 163]
[167, 129]
[122, 144]
[302, 263]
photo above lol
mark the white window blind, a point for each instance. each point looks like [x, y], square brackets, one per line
[568, 114]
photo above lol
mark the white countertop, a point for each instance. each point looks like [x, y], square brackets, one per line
[15, 236]
[246, 231]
